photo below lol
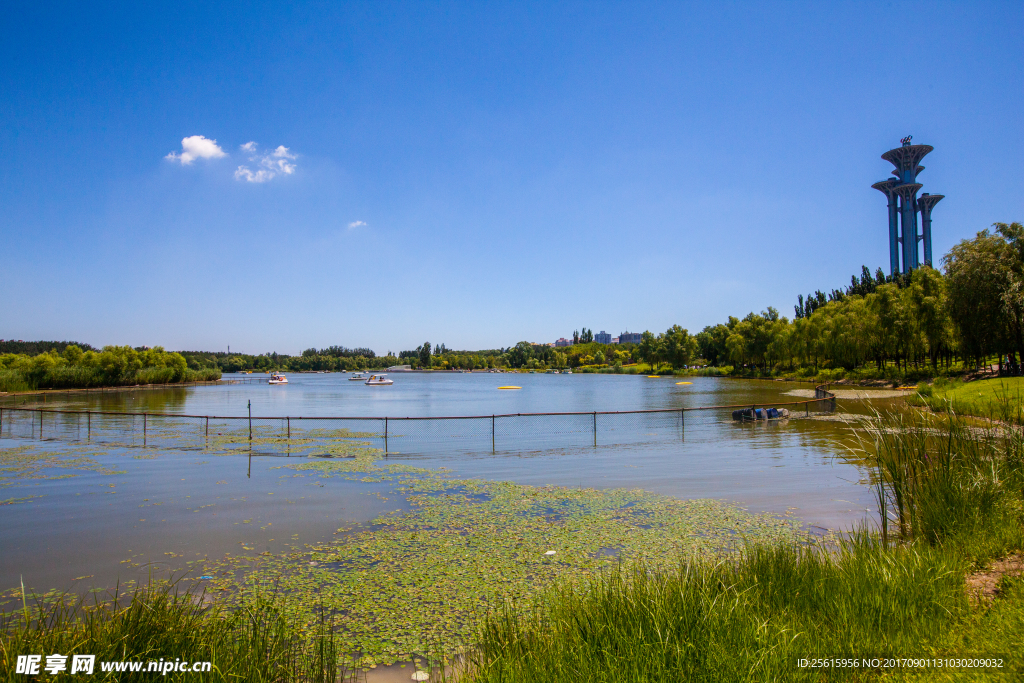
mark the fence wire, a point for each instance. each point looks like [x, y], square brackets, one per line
[352, 436]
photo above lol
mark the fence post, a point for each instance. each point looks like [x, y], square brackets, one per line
[595, 428]
[682, 418]
[807, 409]
[289, 428]
[250, 422]
[385, 437]
[492, 434]
[207, 426]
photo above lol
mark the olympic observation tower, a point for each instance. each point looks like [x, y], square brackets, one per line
[904, 205]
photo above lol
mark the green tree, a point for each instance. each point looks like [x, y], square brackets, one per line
[424, 354]
[928, 294]
[119, 363]
[711, 343]
[73, 354]
[1013, 295]
[679, 346]
[978, 276]
[648, 349]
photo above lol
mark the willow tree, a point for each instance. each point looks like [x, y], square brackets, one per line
[979, 274]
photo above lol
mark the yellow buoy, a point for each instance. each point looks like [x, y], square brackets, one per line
[510, 387]
[684, 382]
[653, 376]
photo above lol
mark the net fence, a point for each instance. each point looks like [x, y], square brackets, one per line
[350, 436]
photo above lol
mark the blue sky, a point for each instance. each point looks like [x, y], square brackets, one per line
[477, 173]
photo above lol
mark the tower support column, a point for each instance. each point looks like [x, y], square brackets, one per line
[908, 224]
[886, 187]
[925, 204]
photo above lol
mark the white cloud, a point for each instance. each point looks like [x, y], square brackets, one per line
[196, 147]
[265, 165]
[355, 224]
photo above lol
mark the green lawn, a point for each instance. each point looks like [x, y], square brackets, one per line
[1001, 398]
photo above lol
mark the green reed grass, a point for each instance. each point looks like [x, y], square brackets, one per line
[255, 642]
[750, 618]
[947, 480]
[84, 377]
[13, 380]
[952, 494]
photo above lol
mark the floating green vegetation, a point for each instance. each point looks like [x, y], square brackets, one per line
[36, 462]
[335, 443]
[48, 462]
[419, 582]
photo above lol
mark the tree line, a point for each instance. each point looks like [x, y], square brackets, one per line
[925, 321]
[75, 367]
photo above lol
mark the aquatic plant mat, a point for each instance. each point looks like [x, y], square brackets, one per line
[418, 583]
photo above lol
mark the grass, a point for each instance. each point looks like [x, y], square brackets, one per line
[252, 643]
[952, 495]
[748, 619]
[947, 481]
[998, 399]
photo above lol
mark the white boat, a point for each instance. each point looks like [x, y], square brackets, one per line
[357, 377]
[567, 372]
[278, 378]
[378, 381]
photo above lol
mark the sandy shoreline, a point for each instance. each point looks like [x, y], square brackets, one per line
[863, 394]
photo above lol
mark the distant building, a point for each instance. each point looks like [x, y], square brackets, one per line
[400, 368]
[630, 338]
[615, 340]
[603, 337]
[562, 341]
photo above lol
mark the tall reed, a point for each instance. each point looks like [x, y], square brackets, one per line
[946, 479]
[85, 377]
[255, 642]
[749, 618]
[12, 380]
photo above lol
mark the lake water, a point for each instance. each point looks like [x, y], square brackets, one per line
[127, 511]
